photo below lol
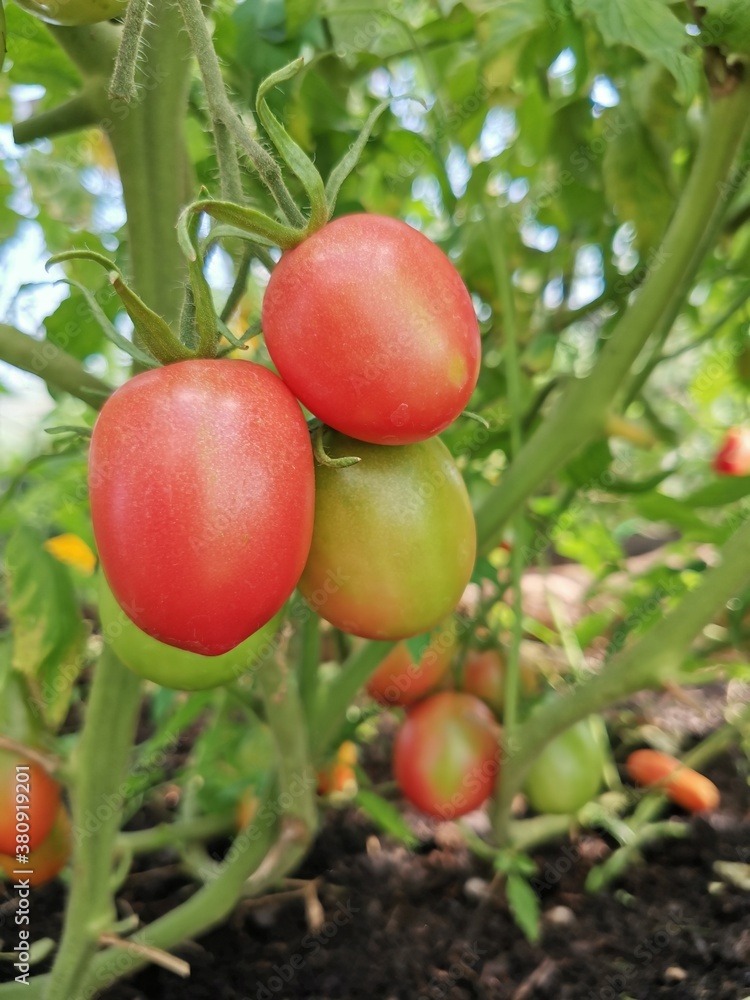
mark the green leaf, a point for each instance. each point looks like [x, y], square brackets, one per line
[345, 166]
[723, 491]
[658, 507]
[524, 905]
[298, 12]
[386, 816]
[726, 23]
[636, 186]
[587, 469]
[48, 632]
[653, 30]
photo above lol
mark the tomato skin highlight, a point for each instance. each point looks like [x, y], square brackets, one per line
[48, 859]
[202, 500]
[394, 539]
[372, 328]
[400, 681]
[172, 667]
[446, 755]
[74, 12]
[683, 785]
[567, 773]
[43, 796]
[733, 458]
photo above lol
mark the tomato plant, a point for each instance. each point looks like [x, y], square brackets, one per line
[371, 327]
[568, 772]
[733, 458]
[446, 755]
[48, 859]
[399, 680]
[202, 492]
[683, 785]
[73, 12]
[29, 801]
[394, 539]
[173, 667]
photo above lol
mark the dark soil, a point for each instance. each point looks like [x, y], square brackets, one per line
[402, 926]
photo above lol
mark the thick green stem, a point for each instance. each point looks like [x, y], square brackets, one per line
[330, 712]
[101, 764]
[58, 369]
[583, 405]
[648, 663]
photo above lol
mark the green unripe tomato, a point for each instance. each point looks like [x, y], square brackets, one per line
[568, 772]
[73, 12]
[172, 667]
[394, 539]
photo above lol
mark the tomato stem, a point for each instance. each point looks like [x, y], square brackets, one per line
[103, 758]
[583, 405]
[122, 85]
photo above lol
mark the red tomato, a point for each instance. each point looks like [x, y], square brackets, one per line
[394, 540]
[446, 756]
[371, 327]
[29, 800]
[202, 500]
[48, 859]
[400, 681]
[683, 785]
[733, 458]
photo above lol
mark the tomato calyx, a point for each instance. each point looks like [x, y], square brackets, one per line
[258, 226]
[165, 348]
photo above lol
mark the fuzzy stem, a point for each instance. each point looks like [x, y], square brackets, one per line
[103, 756]
[122, 85]
[228, 126]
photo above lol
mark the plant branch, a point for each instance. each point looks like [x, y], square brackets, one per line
[51, 363]
[103, 756]
[122, 85]
[584, 404]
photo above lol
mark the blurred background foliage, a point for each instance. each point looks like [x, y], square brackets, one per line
[578, 120]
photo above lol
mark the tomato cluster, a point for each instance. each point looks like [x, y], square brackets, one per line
[207, 507]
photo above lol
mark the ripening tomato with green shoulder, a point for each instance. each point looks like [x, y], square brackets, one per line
[202, 500]
[178, 668]
[48, 859]
[483, 675]
[394, 539]
[372, 328]
[74, 12]
[568, 772]
[29, 801]
[446, 755]
[399, 680]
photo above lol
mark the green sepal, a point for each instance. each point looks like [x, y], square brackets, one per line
[351, 158]
[204, 313]
[152, 329]
[249, 220]
[109, 329]
[293, 155]
[323, 458]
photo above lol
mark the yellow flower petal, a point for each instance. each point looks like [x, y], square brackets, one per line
[73, 551]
